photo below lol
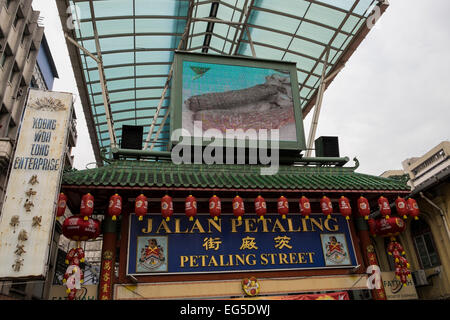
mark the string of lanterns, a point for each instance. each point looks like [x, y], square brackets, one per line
[404, 207]
[77, 228]
[396, 250]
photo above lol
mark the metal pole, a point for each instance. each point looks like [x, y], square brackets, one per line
[315, 120]
[109, 120]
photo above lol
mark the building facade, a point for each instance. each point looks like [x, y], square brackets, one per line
[25, 62]
[426, 240]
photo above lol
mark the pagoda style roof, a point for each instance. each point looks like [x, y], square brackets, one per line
[160, 175]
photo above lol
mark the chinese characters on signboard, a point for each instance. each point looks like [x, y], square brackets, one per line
[205, 245]
[27, 219]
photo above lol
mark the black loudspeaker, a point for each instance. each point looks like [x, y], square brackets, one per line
[327, 147]
[132, 137]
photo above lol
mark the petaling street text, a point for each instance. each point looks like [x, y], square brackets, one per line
[247, 225]
[230, 260]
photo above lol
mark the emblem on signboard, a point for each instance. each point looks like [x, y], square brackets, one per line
[335, 249]
[152, 257]
[250, 286]
[48, 104]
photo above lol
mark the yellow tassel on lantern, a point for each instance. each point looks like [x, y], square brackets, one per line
[215, 218]
[66, 261]
[141, 218]
[329, 216]
[347, 218]
[114, 218]
[239, 218]
[261, 217]
[68, 290]
[283, 216]
[191, 218]
[86, 218]
[168, 219]
[64, 280]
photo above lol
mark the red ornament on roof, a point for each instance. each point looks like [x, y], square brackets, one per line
[141, 206]
[87, 205]
[326, 206]
[363, 207]
[238, 207]
[260, 207]
[115, 206]
[166, 207]
[305, 207]
[345, 208]
[215, 207]
[191, 207]
[384, 206]
[283, 207]
[62, 205]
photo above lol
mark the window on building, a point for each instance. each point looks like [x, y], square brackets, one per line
[423, 241]
[16, 21]
[3, 59]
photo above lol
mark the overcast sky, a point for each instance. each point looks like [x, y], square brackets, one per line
[391, 101]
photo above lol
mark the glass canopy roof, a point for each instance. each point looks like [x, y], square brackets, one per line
[137, 40]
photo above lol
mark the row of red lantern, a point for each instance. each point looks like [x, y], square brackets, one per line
[87, 206]
[215, 207]
[404, 207]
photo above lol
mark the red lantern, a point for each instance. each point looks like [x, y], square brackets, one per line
[386, 227]
[400, 205]
[191, 207]
[115, 206]
[77, 229]
[345, 208]
[260, 207]
[363, 207]
[166, 207]
[385, 208]
[215, 207]
[283, 207]
[326, 206]
[62, 204]
[305, 207]
[413, 208]
[87, 205]
[141, 206]
[75, 256]
[238, 207]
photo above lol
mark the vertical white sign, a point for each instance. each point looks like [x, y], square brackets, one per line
[28, 213]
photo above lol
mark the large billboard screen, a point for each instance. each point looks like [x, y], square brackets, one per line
[238, 95]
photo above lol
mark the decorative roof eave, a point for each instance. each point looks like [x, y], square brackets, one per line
[151, 175]
[148, 188]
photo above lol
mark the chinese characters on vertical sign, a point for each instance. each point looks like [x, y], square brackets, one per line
[27, 216]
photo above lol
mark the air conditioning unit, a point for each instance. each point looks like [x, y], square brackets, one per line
[420, 278]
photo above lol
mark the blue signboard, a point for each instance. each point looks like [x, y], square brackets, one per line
[157, 246]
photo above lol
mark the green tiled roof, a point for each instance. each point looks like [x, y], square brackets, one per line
[166, 174]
